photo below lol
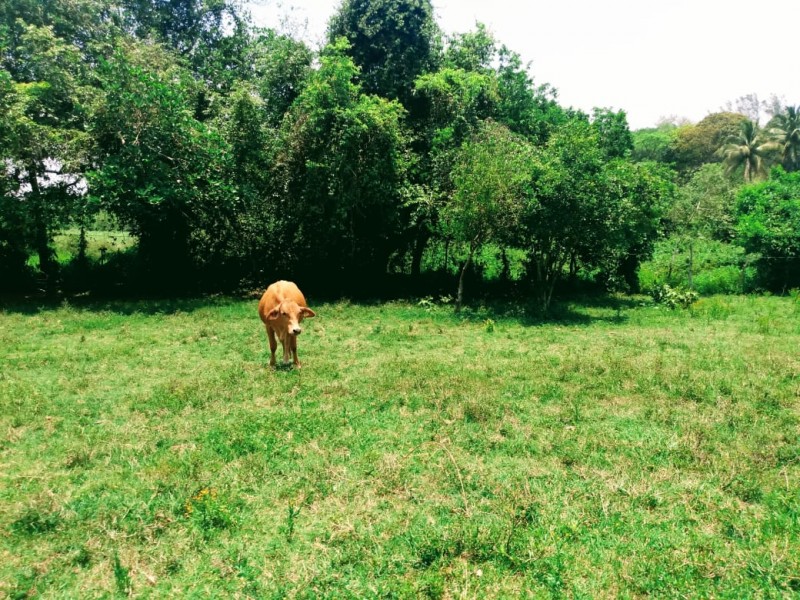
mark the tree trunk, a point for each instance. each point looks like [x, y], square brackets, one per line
[506, 274]
[41, 235]
[82, 246]
[460, 294]
[423, 235]
[671, 264]
[573, 267]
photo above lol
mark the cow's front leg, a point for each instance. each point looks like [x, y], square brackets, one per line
[294, 351]
[287, 348]
[273, 345]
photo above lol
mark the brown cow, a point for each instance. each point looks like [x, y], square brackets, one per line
[282, 308]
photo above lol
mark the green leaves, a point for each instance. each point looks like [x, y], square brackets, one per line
[785, 132]
[163, 173]
[341, 158]
[769, 225]
[491, 176]
[392, 42]
[747, 151]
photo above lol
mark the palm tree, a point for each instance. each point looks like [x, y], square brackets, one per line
[786, 133]
[748, 151]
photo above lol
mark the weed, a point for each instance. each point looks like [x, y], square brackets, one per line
[207, 511]
[122, 577]
[672, 298]
[292, 512]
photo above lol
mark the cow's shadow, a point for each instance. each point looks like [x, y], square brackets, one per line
[284, 367]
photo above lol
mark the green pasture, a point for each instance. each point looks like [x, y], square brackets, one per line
[616, 450]
[100, 245]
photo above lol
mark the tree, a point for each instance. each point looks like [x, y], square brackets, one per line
[280, 68]
[696, 145]
[785, 130]
[46, 145]
[768, 225]
[585, 209]
[340, 164]
[522, 106]
[614, 135]
[747, 151]
[490, 180]
[525, 108]
[88, 27]
[392, 42]
[654, 144]
[210, 35]
[13, 238]
[471, 51]
[564, 210]
[454, 102]
[160, 171]
[703, 209]
[635, 199]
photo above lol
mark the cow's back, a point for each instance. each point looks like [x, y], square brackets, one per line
[277, 293]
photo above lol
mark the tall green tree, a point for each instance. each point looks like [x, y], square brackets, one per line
[703, 209]
[748, 151]
[785, 130]
[89, 27]
[391, 41]
[588, 210]
[278, 69]
[210, 35]
[636, 197]
[524, 107]
[46, 145]
[454, 103]
[160, 171]
[341, 165]
[491, 175]
[471, 51]
[768, 226]
[654, 143]
[613, 132]
[565, 205]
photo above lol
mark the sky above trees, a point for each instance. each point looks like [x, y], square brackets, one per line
[683, 58]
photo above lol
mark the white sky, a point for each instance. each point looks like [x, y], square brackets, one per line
[651, 58]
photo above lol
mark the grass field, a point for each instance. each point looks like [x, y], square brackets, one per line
[620, 450]
[99, 245]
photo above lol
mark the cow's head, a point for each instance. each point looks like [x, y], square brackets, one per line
[289, 314]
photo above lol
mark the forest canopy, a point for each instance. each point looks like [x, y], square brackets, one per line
[227, 155]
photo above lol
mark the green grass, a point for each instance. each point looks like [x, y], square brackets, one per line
[99, 245]
[622, 450]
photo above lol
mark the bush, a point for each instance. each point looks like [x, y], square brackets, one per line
[672, 298]
[722, 280]
[716, 267]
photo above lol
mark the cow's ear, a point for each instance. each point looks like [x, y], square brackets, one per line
[307, 312]
[274, 313]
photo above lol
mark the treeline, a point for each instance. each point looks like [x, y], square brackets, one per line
[734, 223]
[234, 155]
